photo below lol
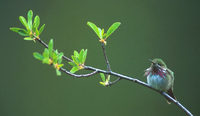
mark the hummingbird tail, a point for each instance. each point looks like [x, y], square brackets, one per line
[170, 93]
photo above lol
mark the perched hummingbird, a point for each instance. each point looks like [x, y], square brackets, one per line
[160, 77]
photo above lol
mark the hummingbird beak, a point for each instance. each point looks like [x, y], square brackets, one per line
[154, 64]
[151, 61]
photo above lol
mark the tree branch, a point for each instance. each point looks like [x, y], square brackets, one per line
[105, 56]
[96, 70]
[114, 82]
[78, 76]
[108, 65]
[46, 46]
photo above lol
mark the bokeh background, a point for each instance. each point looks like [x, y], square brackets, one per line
[168, 29]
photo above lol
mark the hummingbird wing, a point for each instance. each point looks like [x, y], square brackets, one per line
[171, 94]
[170, 91]
[147, 71]
[171, 73]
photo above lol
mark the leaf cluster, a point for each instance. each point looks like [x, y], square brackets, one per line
[78, 60]
[32, 30]
[100, 32]
[51, 57]
[105, 81]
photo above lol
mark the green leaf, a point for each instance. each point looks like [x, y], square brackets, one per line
[75, 59]
[36, 22]
[55, 56]
[58, 73]
[76, 54]
[30, 17]
[56, 52]
[74, 69]
[20, 31]
[24, 22]
[112, 28]
[37, 32]
[94, 28]
[28, 38]
[60, 55]
[23, 33]
[84, 56]
[60, 65]
[15, 29]
[72, 63]
[100, 33]
[46, 53]
[103, 78]
[81, 56]
[38, 56]
[104, 35]
[108, 78]
[50, 47]
[102, 83]
[45, 61]
[41, 29]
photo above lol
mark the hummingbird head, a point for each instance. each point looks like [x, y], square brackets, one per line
[158, 67]
[157, 64]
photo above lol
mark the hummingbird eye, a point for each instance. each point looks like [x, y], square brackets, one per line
[159, 64]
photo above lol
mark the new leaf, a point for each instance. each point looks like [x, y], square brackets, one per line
[74, 69]
[103, 78]
[38, 56]
[24, 22]
[94, 28]
[112, 28]
[30, 17]
[50, 47]
[20, 31]
[36, 23]
[84, 56]
[41, 29]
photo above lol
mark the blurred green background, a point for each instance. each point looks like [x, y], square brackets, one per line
[150, 28]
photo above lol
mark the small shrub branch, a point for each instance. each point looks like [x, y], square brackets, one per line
[96, 70]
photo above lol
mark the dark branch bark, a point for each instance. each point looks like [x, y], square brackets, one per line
[78, 76]
[105, 56]
[46, 46]
[108, 65]
[114, 82]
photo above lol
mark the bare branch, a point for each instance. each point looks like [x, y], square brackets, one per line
[78, 76]
[114, 82]
[105, 56]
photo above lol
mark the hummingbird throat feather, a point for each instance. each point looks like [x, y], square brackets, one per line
[158, 71]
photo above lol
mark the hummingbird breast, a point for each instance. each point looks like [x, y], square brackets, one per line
[160, 82]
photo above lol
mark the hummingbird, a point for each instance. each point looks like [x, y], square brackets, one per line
[160, 77]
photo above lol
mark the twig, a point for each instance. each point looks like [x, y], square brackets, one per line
[114, 82]
[96, 70]
[78, 76]
[46, 46]
[105, 56]
[108, 65]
